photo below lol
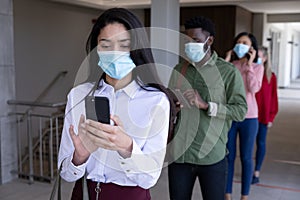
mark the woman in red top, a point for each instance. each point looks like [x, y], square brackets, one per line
[267, 102]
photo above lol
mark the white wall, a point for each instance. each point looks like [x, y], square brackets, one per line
[285, 57]
[50, 37]
[286, 64]
[288, 68]
[296, 56]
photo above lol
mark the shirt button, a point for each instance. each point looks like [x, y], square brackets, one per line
[122, 163]
[75, 173]
[127, 170]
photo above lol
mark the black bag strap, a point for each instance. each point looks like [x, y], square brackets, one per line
[57, 186]
[182, 72]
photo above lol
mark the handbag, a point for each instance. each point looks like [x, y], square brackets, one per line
[175, 98]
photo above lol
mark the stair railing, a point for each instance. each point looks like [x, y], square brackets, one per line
[33, 154]
[47, 89]
[31, 120]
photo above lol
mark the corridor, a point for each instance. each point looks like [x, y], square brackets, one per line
[280, 175]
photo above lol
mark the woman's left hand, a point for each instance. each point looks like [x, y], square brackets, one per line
[270, 124]
[109, 137]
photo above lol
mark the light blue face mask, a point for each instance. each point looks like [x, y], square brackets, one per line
[195, 51]
[116, 64]
[259, 61]
[241, 50]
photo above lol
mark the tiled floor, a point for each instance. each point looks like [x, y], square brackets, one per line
[280, 176]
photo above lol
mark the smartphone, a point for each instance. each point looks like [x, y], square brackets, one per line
[97, 108]
[248, 56]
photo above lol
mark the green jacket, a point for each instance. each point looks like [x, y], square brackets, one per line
[200, 135]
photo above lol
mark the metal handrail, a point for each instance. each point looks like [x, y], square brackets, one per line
[62, 73]
[35, 104]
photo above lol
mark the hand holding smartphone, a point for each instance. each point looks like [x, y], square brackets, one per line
[97, 109]
[251, 54]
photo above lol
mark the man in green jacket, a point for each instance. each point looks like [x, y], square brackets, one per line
[214, 89]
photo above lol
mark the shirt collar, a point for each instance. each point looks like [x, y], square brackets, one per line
[131, 89]
[211, 61]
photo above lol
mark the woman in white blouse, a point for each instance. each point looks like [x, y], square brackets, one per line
[123, 159]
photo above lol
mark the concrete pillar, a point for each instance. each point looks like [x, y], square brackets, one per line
[165, 35]
[8, 147]
[258, 27]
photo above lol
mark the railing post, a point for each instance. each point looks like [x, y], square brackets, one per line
[56, 135]
[51, 148]
[19, 143]
[30, 149]
[41, 146]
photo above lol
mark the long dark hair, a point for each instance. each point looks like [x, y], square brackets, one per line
[140, 53]
[253, 41]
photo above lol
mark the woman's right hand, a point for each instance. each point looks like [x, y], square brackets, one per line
[82, 143]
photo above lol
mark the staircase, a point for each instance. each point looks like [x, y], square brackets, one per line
[38, 136]
[44, 145]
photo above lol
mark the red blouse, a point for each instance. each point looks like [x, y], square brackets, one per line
[267, 100]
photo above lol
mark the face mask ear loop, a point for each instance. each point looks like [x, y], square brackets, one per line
[206, 40]
[208, 46]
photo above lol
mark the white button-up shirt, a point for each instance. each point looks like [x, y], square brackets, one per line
[145, 117]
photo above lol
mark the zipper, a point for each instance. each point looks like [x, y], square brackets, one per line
[97, 190]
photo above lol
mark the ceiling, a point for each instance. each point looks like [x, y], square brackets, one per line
[258, 6]
[255, 6]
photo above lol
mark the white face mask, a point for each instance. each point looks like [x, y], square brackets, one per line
[195, 51]
[241, 50]
[259, 61]
[116, 64]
